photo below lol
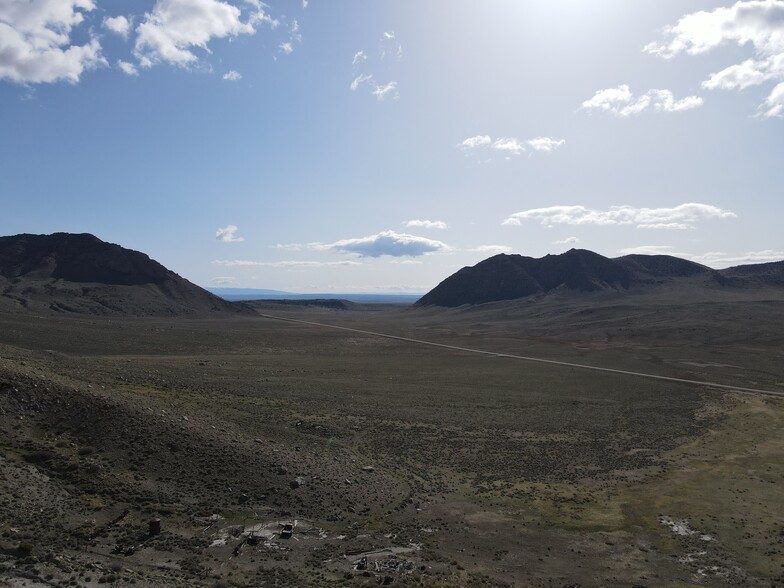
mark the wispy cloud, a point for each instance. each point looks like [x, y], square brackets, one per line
[232, 76]
[678, 217]
[621, 102]
[385, 243]
[283, 264]
[228, 234]
[757, 24]
[388, 90]
[509, 145]
[364, 70]
[170, 32]
[492, 249]
[359, 57]
[567, 241]
[426, 224]
[389, 46]
[36, 45]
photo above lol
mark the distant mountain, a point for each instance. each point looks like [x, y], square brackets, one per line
[509, 277]
[79, 273]
[247, 294]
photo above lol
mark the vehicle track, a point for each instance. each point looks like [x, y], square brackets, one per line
[741, 389]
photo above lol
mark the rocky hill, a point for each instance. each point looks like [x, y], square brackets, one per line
[509, 277]
[79, 273]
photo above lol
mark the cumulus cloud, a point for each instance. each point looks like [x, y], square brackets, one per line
[545, 144]
[682, 216]
[426, 224]
[119, 25]
[174, 28]
[386, 243]
[509, 145]
[286, 47]
[35, 42]
[232, 76]
[127, 68]
[228, 234]
[621, 102]
[567, 241]
[492, 249]
[757, 24]
[282, 264]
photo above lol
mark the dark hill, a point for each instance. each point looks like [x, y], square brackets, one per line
[759, 274]
[509, 277]
[506, 277]
[80, 273]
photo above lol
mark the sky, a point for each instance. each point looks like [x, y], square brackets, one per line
[380, 146]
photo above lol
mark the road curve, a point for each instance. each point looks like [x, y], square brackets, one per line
[741, 389]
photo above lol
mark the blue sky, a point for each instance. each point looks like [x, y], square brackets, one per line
[380, 146]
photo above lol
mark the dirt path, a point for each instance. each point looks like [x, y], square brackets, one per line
[740, 389]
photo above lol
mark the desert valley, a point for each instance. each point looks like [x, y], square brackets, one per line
[154, 434]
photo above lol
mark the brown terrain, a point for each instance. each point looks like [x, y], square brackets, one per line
[287, 453]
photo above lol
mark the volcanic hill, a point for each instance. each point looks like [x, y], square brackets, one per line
[79, 273]
[510, 277]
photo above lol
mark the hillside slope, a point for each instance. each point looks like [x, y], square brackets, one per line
[79, 273]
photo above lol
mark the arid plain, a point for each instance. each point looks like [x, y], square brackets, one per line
[396, 462]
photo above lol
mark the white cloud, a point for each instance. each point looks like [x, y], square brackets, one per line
[359, 57]
[387, 90]
[175, 27]
[492, 249]
[224, 281]
[282, 264]
[758, 24]
[386, 243]
[545, 144]
[288, 246]
[35, 41]
[128, 69]
[567, 241]
[359, 80]
[474, 142]
[647, 218]
[232, 76]
[228, 234]
[426, 224]
[621, 102]
[119, 25]
[508, 145]
[390, 47]
[287, 48]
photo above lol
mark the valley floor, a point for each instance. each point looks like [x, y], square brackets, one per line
[395, 463]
